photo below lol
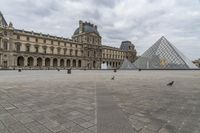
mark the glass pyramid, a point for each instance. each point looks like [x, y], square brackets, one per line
[127, 65]
[163, 55]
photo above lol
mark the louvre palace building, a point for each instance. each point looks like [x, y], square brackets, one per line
[31, 50]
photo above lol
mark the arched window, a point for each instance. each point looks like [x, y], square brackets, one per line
[18, 45]
[5, 45]
[79, 63]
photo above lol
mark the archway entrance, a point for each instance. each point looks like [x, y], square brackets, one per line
[79, 63]
[55, 62]
[20, 61]
[47, 62]
[39, 62]
[68, 63]
[94, 64]
[30, 61]
[62, 62]
[74, 63]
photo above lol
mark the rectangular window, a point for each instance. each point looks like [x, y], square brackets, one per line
[88, 53]
[27, 48]
[36, 49]
[5, 45]
[18, 37]
[71, 52]
[18, 47]
[65, 51]
[58, 50]
[27, 38]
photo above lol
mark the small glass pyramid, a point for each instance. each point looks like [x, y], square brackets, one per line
[163, 55]
[127, 65]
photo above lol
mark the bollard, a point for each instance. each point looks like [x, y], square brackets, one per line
[68, 71]
[19, 70]
[139, 69]
[115, 70]
[58, 69]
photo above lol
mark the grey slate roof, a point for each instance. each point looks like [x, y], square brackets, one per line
[126, 45]
[2, 20]
[87, 29]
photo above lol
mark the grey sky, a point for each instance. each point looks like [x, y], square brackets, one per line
[141, 21]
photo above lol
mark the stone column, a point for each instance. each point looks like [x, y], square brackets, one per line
[25, 61]
[65, 62]
[15, 60]
[0, 60]
[51, 62]
[35, 62]
[0, 43]
[58, 63]
[43, 62]
[71, 63]
[76, 63]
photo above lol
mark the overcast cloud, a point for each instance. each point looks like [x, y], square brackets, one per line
[141, 21]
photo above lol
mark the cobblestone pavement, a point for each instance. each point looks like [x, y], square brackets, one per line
[90, 102]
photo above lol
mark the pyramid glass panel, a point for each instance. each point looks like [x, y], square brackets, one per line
[127, 65]
[163, 55]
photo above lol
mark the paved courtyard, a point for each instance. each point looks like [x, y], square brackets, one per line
[90, 102]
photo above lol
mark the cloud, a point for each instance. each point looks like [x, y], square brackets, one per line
[141, 21]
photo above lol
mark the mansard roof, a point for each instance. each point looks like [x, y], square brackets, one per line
[87, 28]
[2, 20]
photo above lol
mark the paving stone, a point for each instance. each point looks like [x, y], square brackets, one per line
[142, 98]
[69, 124]
[23, 118]
[109, 117]
[1, 126]
[93, 129]
[76, 128]
[86, 131]
[79, 121]
[86, 124]
[4, 131]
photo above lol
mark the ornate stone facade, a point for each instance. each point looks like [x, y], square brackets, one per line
[25, 49]
[197, 63]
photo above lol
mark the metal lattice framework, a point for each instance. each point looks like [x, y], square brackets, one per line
[163, 55]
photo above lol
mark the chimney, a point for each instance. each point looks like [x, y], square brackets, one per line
[95, 27]
[80, 26]
[10, 25]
